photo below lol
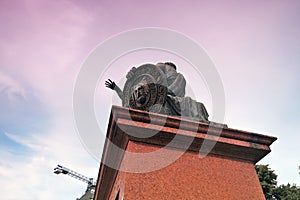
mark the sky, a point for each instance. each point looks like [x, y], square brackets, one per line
[255, 46]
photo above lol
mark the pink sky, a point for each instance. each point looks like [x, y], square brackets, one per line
[255, 46]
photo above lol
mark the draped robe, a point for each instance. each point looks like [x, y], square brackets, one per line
[177, 103]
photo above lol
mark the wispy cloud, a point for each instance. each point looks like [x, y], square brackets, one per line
[40, 56]
[43, 44]
[27, 141]
[11, 88]
[32, 174]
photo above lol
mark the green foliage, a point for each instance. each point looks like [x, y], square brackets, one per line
[287, 192]
[268, 181]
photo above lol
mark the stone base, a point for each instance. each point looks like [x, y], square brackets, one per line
[227, 172]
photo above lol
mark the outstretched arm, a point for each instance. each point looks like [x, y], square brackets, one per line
[112, 85]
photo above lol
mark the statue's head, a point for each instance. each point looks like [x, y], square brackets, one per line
[165, 65]
[170, 64]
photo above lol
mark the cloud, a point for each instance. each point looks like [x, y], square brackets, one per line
[26, 141]
[42, 51]
[43, 44]
[11, 88]
[32, 174]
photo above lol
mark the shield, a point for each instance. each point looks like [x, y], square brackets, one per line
[146, 89]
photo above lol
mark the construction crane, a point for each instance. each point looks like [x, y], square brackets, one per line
[63, 170]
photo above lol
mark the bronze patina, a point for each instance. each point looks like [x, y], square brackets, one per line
[158, 88]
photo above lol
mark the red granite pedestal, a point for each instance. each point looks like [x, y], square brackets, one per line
[167, 164]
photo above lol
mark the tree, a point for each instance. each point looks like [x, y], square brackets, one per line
[268, 181]
[287, 192]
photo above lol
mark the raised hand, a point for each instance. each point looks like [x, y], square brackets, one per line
[110, 84]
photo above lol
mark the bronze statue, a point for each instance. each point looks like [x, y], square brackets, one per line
[158, 88]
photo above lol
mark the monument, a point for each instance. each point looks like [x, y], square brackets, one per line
[135, 161]
[161, 89]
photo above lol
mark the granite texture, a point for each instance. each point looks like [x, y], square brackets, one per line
[191, 177]
[227, 172]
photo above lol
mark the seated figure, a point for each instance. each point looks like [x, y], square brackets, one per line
[176, 102]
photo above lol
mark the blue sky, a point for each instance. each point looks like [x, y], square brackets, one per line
[254, 44]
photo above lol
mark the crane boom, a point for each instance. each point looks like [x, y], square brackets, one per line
[60, 169]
